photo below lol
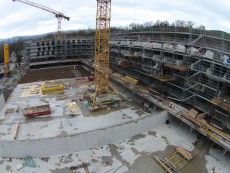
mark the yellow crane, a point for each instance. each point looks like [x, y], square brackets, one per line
[6, 60]
[57, 14]
[102, 49]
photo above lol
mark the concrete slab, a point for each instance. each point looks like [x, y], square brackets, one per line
[64, 131]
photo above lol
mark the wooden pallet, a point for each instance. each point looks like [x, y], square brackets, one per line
[175, 161]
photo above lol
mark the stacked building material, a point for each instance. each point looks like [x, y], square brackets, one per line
[187, 155]
[52, 87]
[130, 80]
[176, 67]
[37, 110]
[190, 118]
[124, 63]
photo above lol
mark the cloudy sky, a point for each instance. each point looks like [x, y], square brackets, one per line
[20, 19]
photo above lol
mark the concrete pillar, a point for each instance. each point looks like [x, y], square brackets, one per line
[224, 152]
[2, 100]
[154, 107]
[191, 129]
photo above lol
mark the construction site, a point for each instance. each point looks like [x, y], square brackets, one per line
[128, 101]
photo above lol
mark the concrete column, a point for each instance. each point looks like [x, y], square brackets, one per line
[191, 129]
[154, 107]
[2, 100]
[225, 152]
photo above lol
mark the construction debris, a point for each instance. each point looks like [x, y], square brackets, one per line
[190, 118]
[125, 63]
[83, 165]
[17, 109]
[163, 78]
[62, 97]
[177, 67]
[9, 110]
[66, 159]
[28, 161]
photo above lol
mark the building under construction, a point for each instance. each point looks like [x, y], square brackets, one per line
[186, 65]
[174, 82]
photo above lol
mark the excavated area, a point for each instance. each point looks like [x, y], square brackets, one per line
[53, 73]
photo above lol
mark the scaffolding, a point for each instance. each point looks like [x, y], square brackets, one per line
[188, 65]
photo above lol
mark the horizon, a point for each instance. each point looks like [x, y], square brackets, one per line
[21, 19]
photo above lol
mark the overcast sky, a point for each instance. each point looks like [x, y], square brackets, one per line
[20, 19]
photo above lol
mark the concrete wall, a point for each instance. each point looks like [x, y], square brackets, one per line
[84, 141]
[2, 101]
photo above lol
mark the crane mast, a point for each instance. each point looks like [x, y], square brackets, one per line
[57, 14]
[102, 49]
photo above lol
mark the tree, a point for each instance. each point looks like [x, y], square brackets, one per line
[190, 23]
[1, 53]
[201, 27]
[17, 48]
[132, 26]
[180, 23]
[164, 23]
[148, 24]
[157, 23]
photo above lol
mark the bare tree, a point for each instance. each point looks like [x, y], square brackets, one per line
[157, 23]
[148, 24]
[190, 23]
[201, 27]
[164, 23]
[180, 23]
[132, 25]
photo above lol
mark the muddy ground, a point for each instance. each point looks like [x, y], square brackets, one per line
[53, 73]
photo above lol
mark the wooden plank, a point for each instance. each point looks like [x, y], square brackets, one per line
[172, 156]
[193, 120]
[168, 164]
[184, 153]
[212, 129]
[162, 164]
[16, 131]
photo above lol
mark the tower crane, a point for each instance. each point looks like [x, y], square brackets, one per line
[102, 49]
[6, 60]
[57, 14]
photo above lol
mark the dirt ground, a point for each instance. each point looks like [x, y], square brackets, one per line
[53, 73]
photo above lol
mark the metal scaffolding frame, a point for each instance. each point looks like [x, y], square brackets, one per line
[202, 79]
